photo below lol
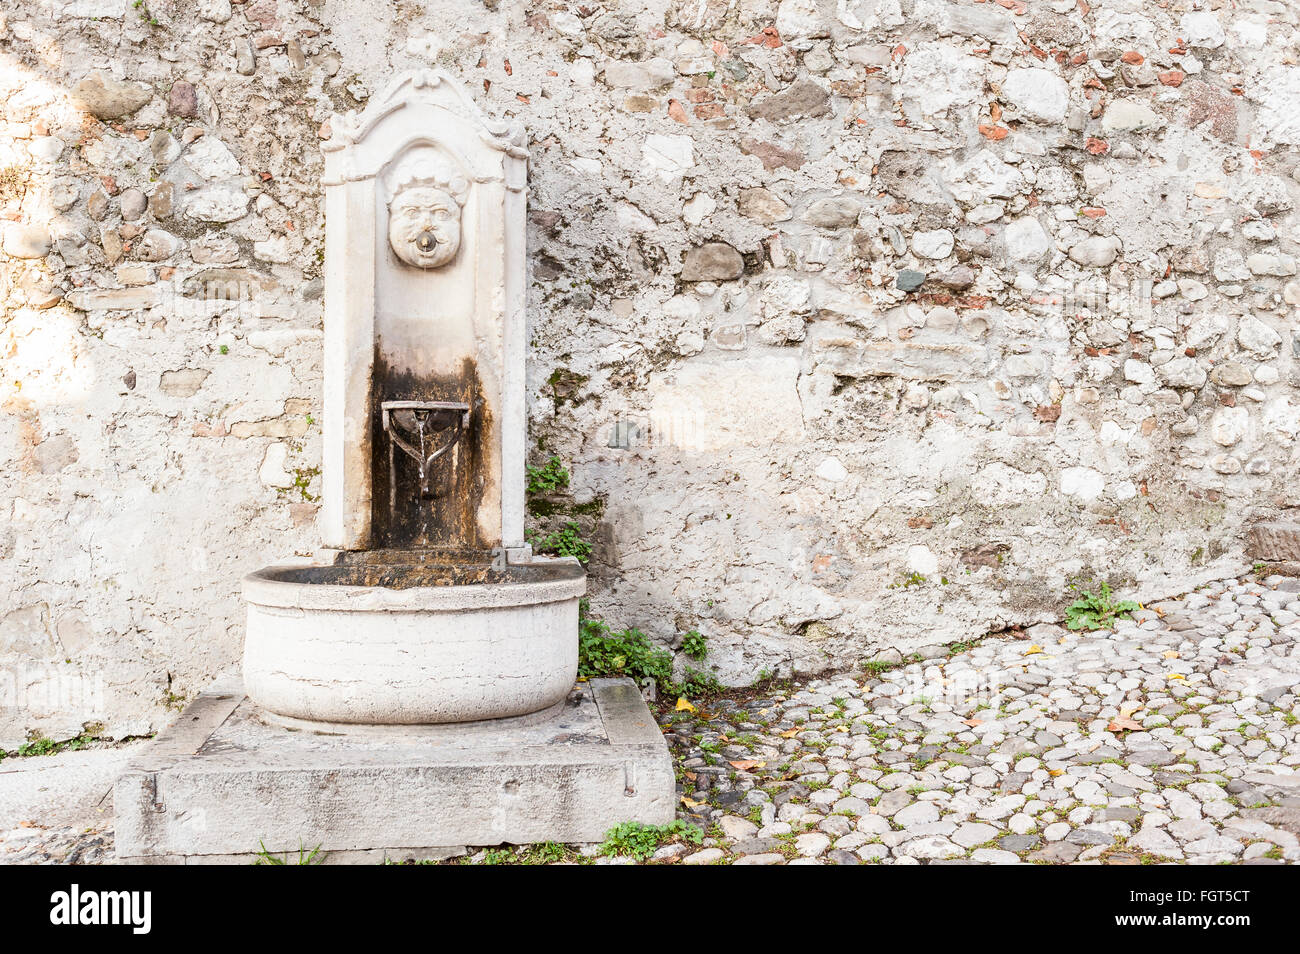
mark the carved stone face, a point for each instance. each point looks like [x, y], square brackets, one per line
[424, 226]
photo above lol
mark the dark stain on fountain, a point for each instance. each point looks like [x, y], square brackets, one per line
[446, 518]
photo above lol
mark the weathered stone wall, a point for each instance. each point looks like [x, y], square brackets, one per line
[861, 323]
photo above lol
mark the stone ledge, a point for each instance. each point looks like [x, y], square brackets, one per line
[225, 780]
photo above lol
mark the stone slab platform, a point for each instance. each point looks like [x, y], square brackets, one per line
[228, 778]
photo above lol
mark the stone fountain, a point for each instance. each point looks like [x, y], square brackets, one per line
[413, 689]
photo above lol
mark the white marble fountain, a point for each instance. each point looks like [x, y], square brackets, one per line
[412, 690]
[433, 609]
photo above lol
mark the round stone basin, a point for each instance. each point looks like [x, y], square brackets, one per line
[411, 644]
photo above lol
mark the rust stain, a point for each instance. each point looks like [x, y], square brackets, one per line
[450, 518]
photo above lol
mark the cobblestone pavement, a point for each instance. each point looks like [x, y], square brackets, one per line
[57, 809]
[64, 845]
[1174, 738]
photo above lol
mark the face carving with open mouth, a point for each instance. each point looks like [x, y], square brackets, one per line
[424, 226]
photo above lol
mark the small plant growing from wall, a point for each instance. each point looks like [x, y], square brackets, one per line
[549, 478]
[302, 478]
[603, 651]
[145, 13]
[1097, 610]
[548, 502]
[566, 542]
[42, 745]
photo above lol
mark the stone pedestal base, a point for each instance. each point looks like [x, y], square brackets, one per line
[228, 779]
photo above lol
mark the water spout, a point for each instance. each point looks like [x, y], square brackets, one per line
[420, 417]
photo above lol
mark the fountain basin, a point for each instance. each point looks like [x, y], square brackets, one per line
[411, 644]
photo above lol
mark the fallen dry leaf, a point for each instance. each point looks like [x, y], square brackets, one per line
[1032, 650]
[745, 765]
[683, 705]
[1124, 724]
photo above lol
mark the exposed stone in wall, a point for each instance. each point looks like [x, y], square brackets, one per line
[1276, 540]
[826, 297]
